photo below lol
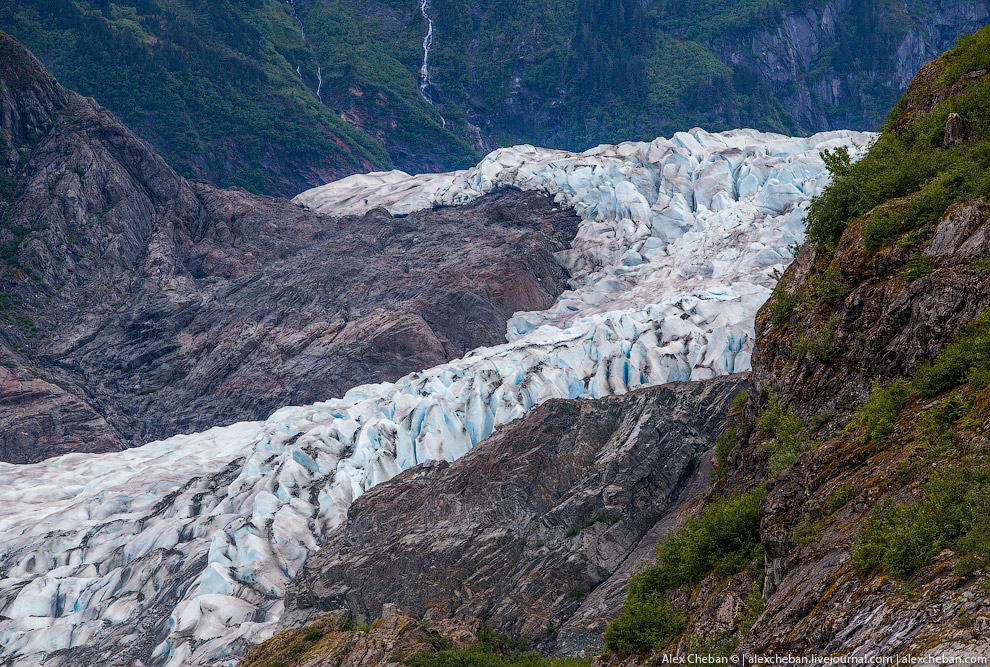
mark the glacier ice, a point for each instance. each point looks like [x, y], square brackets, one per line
[182, 549]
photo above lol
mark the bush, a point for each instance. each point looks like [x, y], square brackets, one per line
[838, 498]
[879, 414]
[820, 345]
[788, 437]
[937, 426]
[313, 634]
[724, 538]
[644, 625]
[966, 360]
[782, 304]
[738, 403]
[951, 513]
[910, 164]
[723, 447]
[917, 267]
[806, 532]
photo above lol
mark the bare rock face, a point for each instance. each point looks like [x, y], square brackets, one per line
[149, 305]
[536, 530]
[956, 130]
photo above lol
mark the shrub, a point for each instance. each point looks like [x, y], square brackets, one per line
[738, 403]
[645, 624]
[838, 498]
[936, 430]
[910, 163]
[724, 538]
[491, 650]
[820, 419]
[782, 304]
[825, 287]
[967, 359]
[806, 532]
[951, 513]
[788, 437]
[313, 634]
[879, 414]
[747, 617]
[820, 345]
[917, 267]
[723, 447]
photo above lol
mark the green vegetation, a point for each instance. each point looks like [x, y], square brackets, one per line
[965, 360]
[879, 414]
[754, 606]
[313, 634]
[212, 85]
[787, 435]
[723, 447]
[820, 345]
[227, 89]
[350, 625]
[952, 513]
[820, 419]
[724, 538]
[838, 498]
[807, 532]
[738, 403]
[491, 650]
[783, 303]
[907, 179]
[938, 428]
[917, 267]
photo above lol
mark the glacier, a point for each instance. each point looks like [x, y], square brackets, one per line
[179, 552]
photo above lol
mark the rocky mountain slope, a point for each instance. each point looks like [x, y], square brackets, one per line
[137, 304]
[867, 416]
[280, 96]
[538, 548]
[849, 510]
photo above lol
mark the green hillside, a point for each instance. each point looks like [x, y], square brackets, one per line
[227, 90]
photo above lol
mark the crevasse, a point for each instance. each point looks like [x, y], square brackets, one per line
[179, 552]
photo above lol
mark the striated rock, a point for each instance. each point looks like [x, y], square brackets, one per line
[153, 305]
[40, 419]
[533, 532]
[885, 324]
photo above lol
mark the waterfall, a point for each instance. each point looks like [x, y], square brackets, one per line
[302, 33]
[425, 81]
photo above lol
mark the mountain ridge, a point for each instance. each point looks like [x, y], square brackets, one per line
[228, 92]
[138, 304]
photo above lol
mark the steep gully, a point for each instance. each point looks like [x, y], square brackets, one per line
[425, 79]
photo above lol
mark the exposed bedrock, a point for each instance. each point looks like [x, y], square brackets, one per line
[533, 532]
[138, 304]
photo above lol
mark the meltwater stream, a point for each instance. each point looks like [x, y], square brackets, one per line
[425, 79]
[179, 552]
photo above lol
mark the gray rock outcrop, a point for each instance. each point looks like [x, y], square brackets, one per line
[135, 304]
[535, 531]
